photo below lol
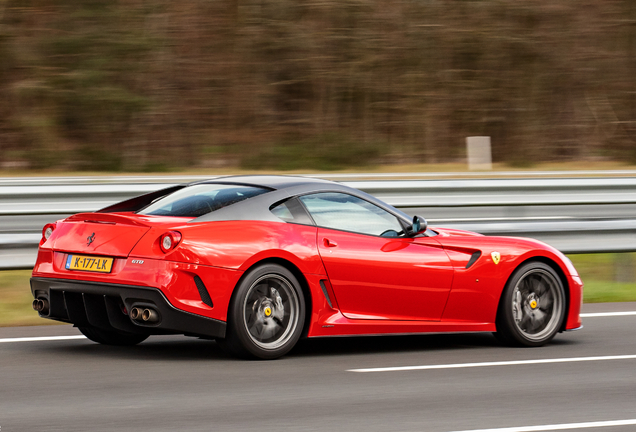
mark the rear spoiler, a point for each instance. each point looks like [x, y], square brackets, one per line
[106, 218]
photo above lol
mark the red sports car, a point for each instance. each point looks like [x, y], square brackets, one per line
[256, 262]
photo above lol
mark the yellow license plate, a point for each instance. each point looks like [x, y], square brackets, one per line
[89, 263]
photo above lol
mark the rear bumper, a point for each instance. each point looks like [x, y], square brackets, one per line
[106, 306]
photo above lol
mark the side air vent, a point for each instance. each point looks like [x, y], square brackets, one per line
[473, 258]
[324, 291]
[203, 291]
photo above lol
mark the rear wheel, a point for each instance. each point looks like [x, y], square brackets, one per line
[266, 314]
[532, 307]
[107, 337]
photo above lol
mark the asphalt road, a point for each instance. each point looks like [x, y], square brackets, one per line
[175, 383]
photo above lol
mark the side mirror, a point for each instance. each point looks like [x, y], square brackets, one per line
[419, 225]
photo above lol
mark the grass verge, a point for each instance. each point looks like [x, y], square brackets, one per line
[609, 277]
[598, 271]
[15, 300]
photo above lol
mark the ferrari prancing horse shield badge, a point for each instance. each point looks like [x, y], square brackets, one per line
[496, 257]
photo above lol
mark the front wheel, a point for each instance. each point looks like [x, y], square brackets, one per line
[532, 307]
[266, 314]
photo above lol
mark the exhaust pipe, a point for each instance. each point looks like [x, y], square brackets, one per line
[146, 315]
[41, 305]
[135, 313]
[150, 315]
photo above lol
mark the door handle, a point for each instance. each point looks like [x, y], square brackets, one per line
[329, 243]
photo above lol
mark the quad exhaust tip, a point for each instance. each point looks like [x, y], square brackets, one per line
[150, 315]
[41, 305]
[146, 315]
[135, 313]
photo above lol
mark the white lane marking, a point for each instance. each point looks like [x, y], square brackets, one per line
[607, 314]
[498, 363]
[564, 426]
[42, 338]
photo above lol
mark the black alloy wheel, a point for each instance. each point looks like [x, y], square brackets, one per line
[533, 305]
[266, 314]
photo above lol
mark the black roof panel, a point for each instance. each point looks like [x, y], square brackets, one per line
[284, 187]
[269, 181]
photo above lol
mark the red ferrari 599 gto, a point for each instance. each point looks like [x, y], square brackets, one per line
[256, 262]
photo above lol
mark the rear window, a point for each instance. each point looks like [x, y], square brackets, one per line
[197, 200]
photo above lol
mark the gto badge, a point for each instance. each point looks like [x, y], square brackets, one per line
[90, 239]
[496, 257]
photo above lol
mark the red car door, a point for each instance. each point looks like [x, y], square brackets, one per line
[386, 278]
[373, 276]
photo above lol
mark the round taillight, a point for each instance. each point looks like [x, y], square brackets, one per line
[166, 243]
[169, 241]
[47, 231]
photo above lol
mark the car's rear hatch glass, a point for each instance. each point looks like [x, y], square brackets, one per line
[200, 199]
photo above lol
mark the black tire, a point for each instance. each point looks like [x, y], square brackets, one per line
[266, 314]
[503, 339]
[107, 337]
[532, 306]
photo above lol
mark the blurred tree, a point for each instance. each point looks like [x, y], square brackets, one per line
[154, 84]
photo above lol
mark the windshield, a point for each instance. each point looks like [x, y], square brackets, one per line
[197, 200]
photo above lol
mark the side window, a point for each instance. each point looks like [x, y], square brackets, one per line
[292, 211]
[282, 211]
[348, 213]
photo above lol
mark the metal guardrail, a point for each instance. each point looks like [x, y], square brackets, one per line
[576, 215]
